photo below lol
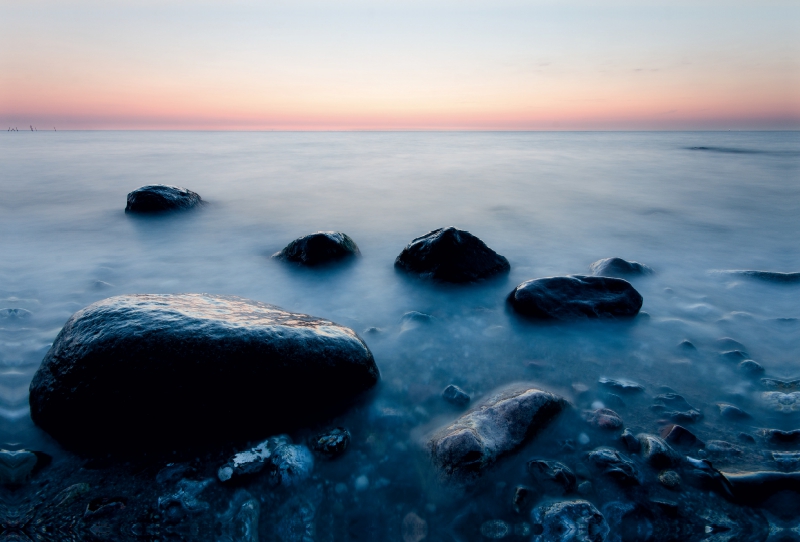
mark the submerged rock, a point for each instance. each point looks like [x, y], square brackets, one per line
[455, 395]
[768, 276]
[331, 443]
[156, 198]
[553, 477]
[569, 521]
[604, 418]
[779, 436]
[621, 385]
[574, 297]
[319, 248]
[617, 267]
[150, 370]
[751, 368]
[613, 464]
[657, 452]
[676, 408]
[732, 412]
[451, 255]
[669, 479]
[677, 435]
[498, 426]
[285, 463]
[778, 401]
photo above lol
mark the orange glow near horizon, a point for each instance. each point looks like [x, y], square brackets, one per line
[121, 66]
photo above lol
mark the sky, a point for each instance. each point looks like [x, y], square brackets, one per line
[400, 65]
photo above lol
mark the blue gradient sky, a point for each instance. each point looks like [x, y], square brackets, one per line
[400, 65]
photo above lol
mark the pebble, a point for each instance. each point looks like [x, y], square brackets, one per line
[615, 465]
[677, 435]
[455, 395]
[604, 418]
[630, 441]
[656, 452]
[521, 499]
[669, 479]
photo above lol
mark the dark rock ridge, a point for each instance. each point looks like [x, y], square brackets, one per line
[574, 297]
[319, 248]
[451, 255]
[617, 267]
[769, 276]
[158, 198]
[149, 370]
[498, 426]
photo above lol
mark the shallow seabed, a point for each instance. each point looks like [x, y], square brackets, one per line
[690, 205]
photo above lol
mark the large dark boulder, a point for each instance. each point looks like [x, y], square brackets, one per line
[575, 296]
[617, 267]
[319, 248]
[451, 255]
[502, 423]
[149, 370]
[158, 198]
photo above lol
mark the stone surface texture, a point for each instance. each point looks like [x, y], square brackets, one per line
[319, 248]
[158, 198]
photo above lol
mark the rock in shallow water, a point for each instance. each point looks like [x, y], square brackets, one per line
[499, 425]
[149, 370]
[157, 198]
[319, 248]
[551, 476]
[451, 255]
[575, 297]
[569, 521]
[332, 443]
[613, 464]
[455, 395]
[286, 463]
[617, 267]
[657, 452]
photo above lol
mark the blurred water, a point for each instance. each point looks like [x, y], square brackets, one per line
[686, 204]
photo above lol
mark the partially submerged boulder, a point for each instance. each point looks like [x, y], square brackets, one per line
[576, 296]
[158, 198]
[147, 370]
[617, 267]
[319, 248]
[451, 255]
[497, 426]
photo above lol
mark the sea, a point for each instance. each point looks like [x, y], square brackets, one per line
[696, 207]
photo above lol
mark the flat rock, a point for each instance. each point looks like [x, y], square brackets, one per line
[149, 370]
[319, 248]
[617, 267]
[576, 297]
[451, 255]
[497, 426]
[159, 198]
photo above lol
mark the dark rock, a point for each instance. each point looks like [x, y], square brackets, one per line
[621, 385]
[522, 498]
[613, 400]
[451, 255]
[687, 345]
[331, 443]
[787, 461]
[677, 435]
[670, 479]
[613, 464]
[285, 463]
[734, 355]
[319, 248]
[574, 297]
[726, 343]
[455, 395]
[751, 368]
[603, 418]
[553, 477]
[666, 405]
[617, 267]
[585, 487]
[782, 437]
[498, 426]
[414, 319]
[574, 521]
[720, 447]
[152, 370]
[630, 441]
[755, 487]
[104, 506]
[156, 198]
[656, 452]
[731, 412]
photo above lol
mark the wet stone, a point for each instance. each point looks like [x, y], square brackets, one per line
[751, 368]
[497, 426]
[574, 521]
[331, 443]
[455, 395]
[676, 435]
[576, 297]
[451, 255]
[621, 385]
[676, 408]
[156, 198]
[669, 479]
[604, 418]
[731, 412]
[319, 248]
[656, 452]
[553, 477]
[617, 267]
[613, 464]
[630, 441]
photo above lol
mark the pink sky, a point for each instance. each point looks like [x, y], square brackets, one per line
[400, 66]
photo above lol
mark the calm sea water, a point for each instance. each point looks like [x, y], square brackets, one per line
[686, 204]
